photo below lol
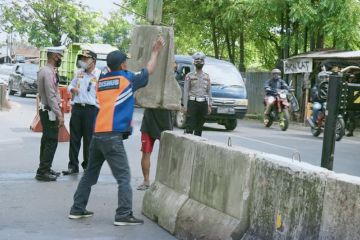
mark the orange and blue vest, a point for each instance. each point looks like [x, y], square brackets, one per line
[115, 100]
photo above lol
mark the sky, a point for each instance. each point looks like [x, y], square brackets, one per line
[103, 6]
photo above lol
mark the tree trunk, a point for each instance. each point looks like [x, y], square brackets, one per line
[287, 32]
[312, 41]
[214, 38]
[242, 51]
[320, 40]
[305, 38]
[228, 46]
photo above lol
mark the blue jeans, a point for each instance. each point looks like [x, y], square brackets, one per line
[110, 147]
[316, 107]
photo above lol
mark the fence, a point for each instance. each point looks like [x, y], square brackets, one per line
[255, 91]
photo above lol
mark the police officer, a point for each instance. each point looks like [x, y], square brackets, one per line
[197, 96]
[84, 110]
[50, 114]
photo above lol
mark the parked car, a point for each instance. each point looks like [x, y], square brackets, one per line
[229, 98]
[24, 79]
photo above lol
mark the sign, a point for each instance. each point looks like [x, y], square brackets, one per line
[301, 65]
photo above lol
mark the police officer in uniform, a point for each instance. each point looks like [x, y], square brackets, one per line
[83, 113]
[197, 96]
[50, 114]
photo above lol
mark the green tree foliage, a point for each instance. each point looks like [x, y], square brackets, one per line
[116, 31]
[44, 21]
[258, 32]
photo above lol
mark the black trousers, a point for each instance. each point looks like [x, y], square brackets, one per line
[195, 117]
[49, 142]
[81, 126]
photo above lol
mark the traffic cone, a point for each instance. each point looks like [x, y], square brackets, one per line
[36, 124]
[64, 135]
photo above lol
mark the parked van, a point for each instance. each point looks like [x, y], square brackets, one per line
[229, 98]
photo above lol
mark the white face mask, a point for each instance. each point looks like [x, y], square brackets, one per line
[83, 65]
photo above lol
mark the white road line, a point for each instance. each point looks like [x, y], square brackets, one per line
[263, 142]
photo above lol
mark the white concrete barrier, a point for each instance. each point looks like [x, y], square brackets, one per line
[341, 214]
[4, 104]
[172, 184]
[204, 190]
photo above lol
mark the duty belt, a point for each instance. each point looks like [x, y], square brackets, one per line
[197, 99]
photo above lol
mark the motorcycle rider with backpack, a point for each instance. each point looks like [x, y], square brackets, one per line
[318, 97]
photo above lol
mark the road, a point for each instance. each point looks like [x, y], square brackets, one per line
[32, 210]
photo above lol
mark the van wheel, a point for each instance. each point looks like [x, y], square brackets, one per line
[180, 119]
[231, 124]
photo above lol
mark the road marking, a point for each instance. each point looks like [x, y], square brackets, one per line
[263, 142]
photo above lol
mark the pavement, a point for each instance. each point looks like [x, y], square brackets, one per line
[39, 210]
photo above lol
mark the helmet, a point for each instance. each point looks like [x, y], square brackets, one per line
[322, 76]
[199, 56]
[276, 71]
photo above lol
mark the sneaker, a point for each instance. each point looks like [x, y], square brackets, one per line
[57, 174]
[84, 214]
[128, 221]
[46, 177]
[70, 171]
[143, 187]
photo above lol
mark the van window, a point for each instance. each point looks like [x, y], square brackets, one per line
[224, 74]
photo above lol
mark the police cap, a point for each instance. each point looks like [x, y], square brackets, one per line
[199, 56]
[57, 50]
[88, 54]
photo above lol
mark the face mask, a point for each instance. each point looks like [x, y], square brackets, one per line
[276, 76]
[83, 65]
[58, 63]
[199, 66]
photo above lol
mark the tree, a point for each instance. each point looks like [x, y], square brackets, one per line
[44, 21]
[116, 31]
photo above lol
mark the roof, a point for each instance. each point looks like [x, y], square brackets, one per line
[98, 48]
[328, 54]
[208, 60]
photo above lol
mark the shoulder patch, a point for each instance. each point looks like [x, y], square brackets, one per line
[109, 84]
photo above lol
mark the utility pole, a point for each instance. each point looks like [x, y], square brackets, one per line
[331, 112]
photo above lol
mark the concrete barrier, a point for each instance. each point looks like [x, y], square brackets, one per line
[4, 104]
[162, 90]
[341, 214]
[164, 199]
[287, 199]
[205, 190]
[220, 189]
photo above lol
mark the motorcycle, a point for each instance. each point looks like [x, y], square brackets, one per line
[280, 110]
[318, 128]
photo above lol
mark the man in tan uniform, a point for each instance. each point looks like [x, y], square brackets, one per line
[197, 96]
[50, 114]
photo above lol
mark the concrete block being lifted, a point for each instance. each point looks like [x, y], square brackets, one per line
[162, 91]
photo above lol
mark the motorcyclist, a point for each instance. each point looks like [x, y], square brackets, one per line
[316, 99]
[271, 86]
